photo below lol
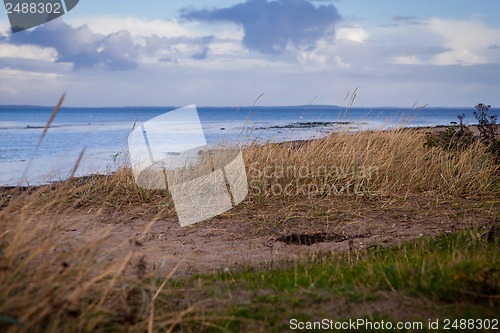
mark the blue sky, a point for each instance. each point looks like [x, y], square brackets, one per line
[116, 53]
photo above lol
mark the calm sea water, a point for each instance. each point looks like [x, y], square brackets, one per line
[103, 132]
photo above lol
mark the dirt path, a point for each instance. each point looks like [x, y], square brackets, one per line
[261, 234]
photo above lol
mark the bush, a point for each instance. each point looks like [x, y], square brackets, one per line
[487, 125]
[488, 129]
[454, 138]
[459, 137]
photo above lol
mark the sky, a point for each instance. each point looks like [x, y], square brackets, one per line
[230, 52]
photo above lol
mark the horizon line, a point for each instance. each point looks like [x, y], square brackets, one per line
[244, 106]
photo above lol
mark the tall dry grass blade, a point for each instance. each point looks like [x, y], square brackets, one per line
[51, 118]
[353, 98]
[351, 102]
[423, 107]
[77, 163]
[247, 121]
[251, 113]
[45, 130]
[257, 99]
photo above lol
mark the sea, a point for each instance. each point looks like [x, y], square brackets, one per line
[98, 137]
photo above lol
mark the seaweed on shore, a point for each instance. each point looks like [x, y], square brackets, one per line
[307, 124]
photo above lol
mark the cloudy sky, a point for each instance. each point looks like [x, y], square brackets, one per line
[228, 52]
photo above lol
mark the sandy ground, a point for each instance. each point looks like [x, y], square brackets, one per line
[262, 234]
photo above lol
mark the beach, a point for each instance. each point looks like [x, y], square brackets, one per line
[353, 217]
[347, 196]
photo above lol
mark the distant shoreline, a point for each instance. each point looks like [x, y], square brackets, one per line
[170, 107]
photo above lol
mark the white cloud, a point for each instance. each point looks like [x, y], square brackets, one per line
[464, 33]
[27, 52]
[407, 60]
[227, 47]
[140, 28]
[137, 27]
[4, 28]
[438, 42]
[341, 63]
[468, 41]
[8, 73]
[314, 57]
[82, 47]
[461, 57]
[354, 34]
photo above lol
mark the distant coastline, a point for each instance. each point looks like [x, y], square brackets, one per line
[389, 107]
[103, 132]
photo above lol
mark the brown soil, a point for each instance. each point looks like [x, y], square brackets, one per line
[263, 234]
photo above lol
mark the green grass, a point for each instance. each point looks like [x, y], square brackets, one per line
[453, 276]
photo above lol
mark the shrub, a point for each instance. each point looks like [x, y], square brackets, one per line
[454, 138]
[488, 129]
[487, 125]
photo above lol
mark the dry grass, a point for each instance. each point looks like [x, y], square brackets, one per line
[375, 162]
[42, 288]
